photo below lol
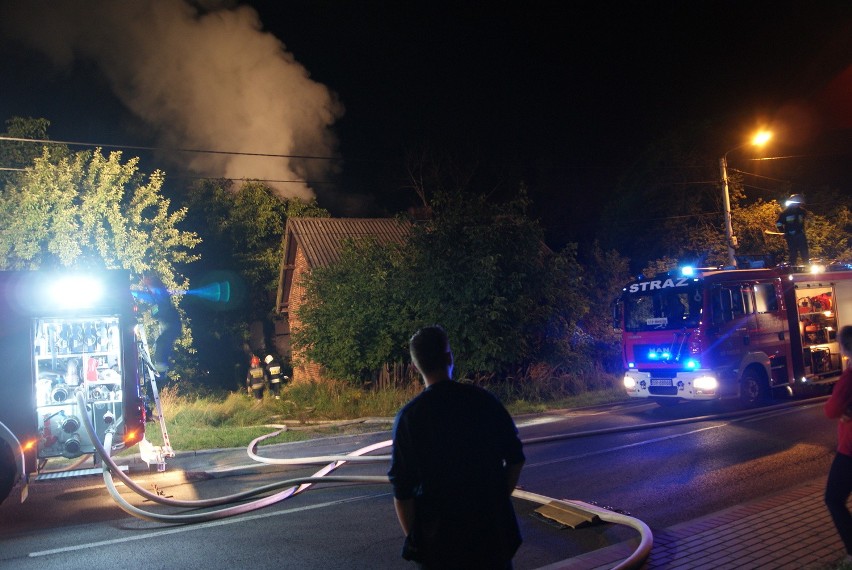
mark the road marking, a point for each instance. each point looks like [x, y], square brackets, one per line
[199, 526]
[620, 447]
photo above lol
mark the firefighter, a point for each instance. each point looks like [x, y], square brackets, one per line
[791, 222]
[167, 317]
[274, 375]
[255, 379]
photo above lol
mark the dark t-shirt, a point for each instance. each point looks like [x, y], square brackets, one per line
[451, 445]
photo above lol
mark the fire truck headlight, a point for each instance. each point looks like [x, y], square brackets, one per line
[76, 291]
[705, 383]
[629, 382]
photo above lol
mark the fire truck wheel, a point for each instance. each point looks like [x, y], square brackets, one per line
[753, 388]
[7, 470]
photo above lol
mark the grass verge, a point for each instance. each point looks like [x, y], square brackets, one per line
[216, 420]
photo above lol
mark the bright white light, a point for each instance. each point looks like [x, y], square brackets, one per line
[76, 291]
[687, 271]
[705, 383]
[629, 382]
[817, 268]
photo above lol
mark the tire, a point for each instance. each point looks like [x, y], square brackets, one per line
[753, 389]
[7, 470]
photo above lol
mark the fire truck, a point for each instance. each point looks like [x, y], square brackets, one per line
[64, 334]
[723, 333]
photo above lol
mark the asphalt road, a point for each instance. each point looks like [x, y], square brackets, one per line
[663, 475]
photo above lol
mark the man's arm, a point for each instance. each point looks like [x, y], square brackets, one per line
[513, 473]
[405, 514]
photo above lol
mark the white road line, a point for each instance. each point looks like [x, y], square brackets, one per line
[191, 528]
[620, 447]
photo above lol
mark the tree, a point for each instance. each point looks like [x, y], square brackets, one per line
[243, 226]
[90, 210]
[359, 317]
[605, 273]
[20, 154]
[478, 268]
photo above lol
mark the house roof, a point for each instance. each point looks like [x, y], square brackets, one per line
[321, 240]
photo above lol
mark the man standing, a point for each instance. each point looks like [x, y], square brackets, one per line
[838, 487]
[791, 222]
[456, 460]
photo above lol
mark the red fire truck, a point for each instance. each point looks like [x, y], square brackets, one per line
[713, 334]
[62, 334]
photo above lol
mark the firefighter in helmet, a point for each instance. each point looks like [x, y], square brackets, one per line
[791, 222]
[274, 374]
[255, 379]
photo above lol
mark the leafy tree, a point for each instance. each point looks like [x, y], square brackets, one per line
[361, 317]
[243, 226]
[605, 273]
[481, 269]
[90, 210]
[87, 210]
[478, 268]
[19, 154]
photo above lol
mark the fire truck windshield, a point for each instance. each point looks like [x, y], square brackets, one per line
[662, 308]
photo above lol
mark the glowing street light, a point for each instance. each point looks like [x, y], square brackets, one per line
[759, 139]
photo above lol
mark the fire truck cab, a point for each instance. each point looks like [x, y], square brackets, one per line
[714, 334]
[62, 334]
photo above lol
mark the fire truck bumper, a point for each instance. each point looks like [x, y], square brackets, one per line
[691, 385]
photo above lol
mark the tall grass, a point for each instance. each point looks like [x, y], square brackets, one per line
[204, 419]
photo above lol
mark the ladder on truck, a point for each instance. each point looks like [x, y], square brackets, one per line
[149, 452]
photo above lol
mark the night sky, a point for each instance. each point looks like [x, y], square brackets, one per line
[562, 95]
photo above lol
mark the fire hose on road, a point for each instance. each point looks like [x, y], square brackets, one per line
[297, 485]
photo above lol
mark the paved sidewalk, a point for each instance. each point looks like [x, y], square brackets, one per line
[791, 530]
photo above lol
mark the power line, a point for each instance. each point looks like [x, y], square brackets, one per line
[183, 175]
[166, 149]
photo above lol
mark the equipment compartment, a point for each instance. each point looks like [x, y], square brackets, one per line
[71, 355]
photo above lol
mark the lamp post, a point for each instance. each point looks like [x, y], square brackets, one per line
[759, 139]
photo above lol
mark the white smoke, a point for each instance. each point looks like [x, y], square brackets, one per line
[201, 80]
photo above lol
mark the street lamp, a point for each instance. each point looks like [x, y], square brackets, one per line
[759, 140]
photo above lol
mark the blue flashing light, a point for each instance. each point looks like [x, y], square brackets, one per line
[692, 364]
[687, 271]
[652, 354]
[666, 355]
[631, 365]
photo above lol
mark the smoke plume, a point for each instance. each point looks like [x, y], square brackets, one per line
[201, 79]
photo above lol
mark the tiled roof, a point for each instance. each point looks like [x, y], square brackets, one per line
[321, 238]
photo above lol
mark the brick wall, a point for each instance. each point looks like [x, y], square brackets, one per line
[304, 370]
